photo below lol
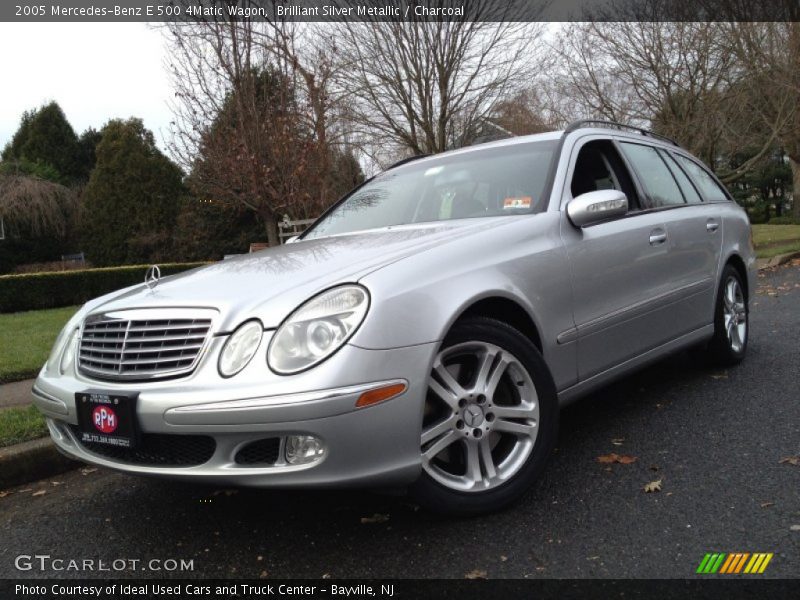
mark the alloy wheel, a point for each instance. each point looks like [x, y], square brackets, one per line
[734, 314]
[481, 417]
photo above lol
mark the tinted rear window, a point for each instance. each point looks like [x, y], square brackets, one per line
[707, 184]
[687, 187]
[658, 182]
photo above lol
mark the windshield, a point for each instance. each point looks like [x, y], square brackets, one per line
[494, 182]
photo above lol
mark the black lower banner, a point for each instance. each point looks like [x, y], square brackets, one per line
[605, 589]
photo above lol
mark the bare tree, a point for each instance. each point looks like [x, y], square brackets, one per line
[426, 86]
[524, 113]
[669, 75]
[36, 205]
[768, 56]
[272, 152]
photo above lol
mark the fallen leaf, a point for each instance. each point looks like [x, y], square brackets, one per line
[263, 574]
[617, 441]
[503, 558]
[719, 376]
[259, 558]
[653, 486]
[326, 575]
[23, 491]
[87, 471]
[376, 518]
[475, 574]
[795, 528]
[622, 459]
[4, 494]
[39, 493]
[791, 460]
[55, 483]
[767, 504]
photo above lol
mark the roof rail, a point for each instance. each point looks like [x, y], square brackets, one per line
[406, 160]
[614, 125]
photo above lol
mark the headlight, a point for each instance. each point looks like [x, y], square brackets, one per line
[240, 348]
[68, 356]
[58, 347]
[317, 329]
[65, 336]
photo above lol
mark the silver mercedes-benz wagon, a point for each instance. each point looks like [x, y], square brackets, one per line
[423, 332]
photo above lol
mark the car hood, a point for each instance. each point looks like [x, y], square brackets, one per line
[270, 284]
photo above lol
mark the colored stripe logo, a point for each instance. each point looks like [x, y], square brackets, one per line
[734, 563]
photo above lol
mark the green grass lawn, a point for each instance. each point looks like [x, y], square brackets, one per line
[26, 339]
[20, 425]
[772, 240]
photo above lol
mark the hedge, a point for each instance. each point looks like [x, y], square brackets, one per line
[34, 291]
[784, 221]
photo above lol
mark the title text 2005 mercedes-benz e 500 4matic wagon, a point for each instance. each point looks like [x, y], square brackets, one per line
[423, 332]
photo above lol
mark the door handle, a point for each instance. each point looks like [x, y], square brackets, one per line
[658, 236]
[712, 225]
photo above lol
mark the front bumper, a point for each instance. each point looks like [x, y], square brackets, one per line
[371, 446]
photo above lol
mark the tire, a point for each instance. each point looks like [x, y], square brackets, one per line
[490, 422]
[731, 320]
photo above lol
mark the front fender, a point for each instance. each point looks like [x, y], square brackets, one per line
[417, 300]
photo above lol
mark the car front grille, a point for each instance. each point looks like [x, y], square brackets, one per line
[156, 450]
[160, 344]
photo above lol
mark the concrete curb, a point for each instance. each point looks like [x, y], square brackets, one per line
[776, 261]
[30, 461]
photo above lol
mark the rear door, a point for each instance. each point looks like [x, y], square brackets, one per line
[695, 238]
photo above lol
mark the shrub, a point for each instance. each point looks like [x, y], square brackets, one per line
[53, 265]
[51, 290]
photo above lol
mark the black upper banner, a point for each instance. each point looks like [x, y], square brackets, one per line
[397, 10]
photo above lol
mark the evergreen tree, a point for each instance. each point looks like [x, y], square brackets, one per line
[45, 138]
[132, 199]
[87, 146]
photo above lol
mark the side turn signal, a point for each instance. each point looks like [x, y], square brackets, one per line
[380, 394]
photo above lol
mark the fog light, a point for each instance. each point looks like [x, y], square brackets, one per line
[303, 449]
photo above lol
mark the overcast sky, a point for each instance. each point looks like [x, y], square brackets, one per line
[95, 71]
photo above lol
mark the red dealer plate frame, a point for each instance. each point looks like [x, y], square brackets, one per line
[108, 418]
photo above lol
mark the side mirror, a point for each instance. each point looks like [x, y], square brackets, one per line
[593, 207]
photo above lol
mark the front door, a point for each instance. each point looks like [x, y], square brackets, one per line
[617, 266]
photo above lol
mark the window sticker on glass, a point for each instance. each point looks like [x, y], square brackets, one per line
[517, 202]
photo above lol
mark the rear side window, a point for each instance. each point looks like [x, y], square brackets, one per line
[707, 184]
[658, 182]
[687, 187]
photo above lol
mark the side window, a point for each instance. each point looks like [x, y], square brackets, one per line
[658, 182]
[707, 184]
[600, 167]
[687, 187]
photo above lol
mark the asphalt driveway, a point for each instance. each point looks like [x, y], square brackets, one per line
[715, 439]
